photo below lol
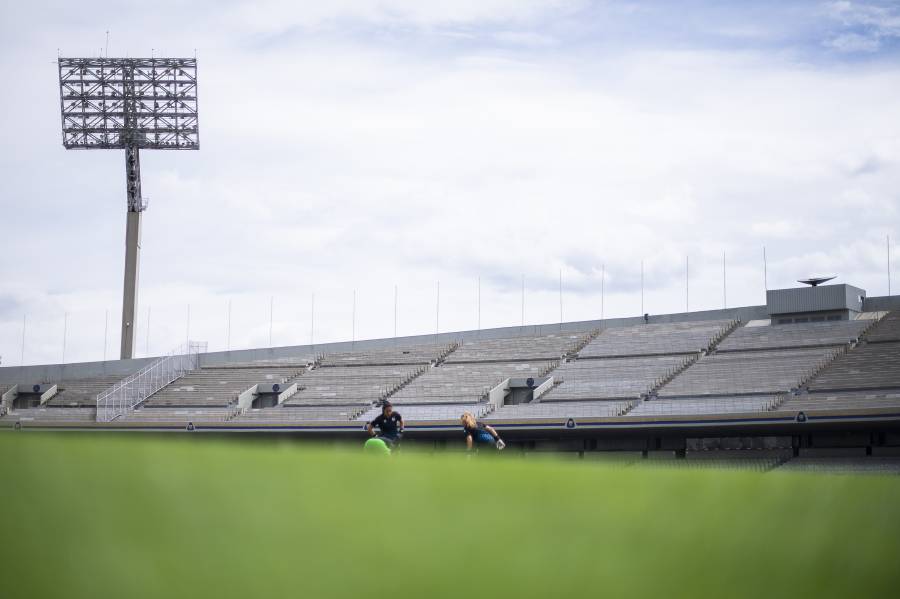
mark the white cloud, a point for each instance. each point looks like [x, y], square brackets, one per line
[368, 162]
[871, 24]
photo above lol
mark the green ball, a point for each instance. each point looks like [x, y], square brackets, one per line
[376, 446]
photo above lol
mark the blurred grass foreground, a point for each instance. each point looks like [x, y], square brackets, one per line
[149, 517]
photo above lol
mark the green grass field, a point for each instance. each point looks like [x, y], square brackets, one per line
[90, 516]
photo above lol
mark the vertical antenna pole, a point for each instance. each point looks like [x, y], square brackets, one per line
[523, 301]
[65, 330]
[228, 327]
[602, 289]
[22, 355]
[724, 283]
[560, 300]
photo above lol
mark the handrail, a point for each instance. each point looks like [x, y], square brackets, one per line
[122, 397]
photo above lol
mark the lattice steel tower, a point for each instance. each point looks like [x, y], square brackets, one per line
[130, 104]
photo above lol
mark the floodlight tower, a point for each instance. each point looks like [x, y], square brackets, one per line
[130, 104]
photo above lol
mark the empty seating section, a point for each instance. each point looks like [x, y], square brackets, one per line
[356, 385]
[179, 415]
[848, 465]
[464, 383]
[419, 354]
[868, 366]
[706, 405]
[45, 414]
[413, 413]
[561, 410]
[543, 347]
[815, 334]
[656, 339]
[614, 378]
[219, 386]
[643, 371]
[887, 329]
[82, 392]
[295, 415]
[744, 373]
[843, 400]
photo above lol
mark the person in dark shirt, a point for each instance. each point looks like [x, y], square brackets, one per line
[389, 424]
[478, 432]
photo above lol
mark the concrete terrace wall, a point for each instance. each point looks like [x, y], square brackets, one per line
[59, 372]
[882, 303]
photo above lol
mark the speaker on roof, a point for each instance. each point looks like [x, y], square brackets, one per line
[529, 382]
[276, 388]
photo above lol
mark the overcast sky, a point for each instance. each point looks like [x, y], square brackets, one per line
[356, 145]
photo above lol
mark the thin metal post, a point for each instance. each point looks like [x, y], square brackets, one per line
[65, 330]
[228, 327]
[523, 301]
[724, 283]
[22, 355]
[602, 288]
[560, 300]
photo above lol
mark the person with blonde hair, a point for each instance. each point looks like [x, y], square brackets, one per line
[478, 432]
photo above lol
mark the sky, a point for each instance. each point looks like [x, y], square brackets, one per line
[356, 151]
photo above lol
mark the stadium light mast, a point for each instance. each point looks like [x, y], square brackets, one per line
[129, 104]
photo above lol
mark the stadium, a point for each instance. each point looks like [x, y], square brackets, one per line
[810, 380]
[456, 299]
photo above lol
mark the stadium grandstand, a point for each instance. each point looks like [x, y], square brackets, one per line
[805, 377]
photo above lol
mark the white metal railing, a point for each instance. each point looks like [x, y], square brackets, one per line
[129, 392]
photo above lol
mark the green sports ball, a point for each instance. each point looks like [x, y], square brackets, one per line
[376, 446]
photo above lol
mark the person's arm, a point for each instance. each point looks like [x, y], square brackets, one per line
[469, 442]
[400, 430]
[371, 430]
[491, 430]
